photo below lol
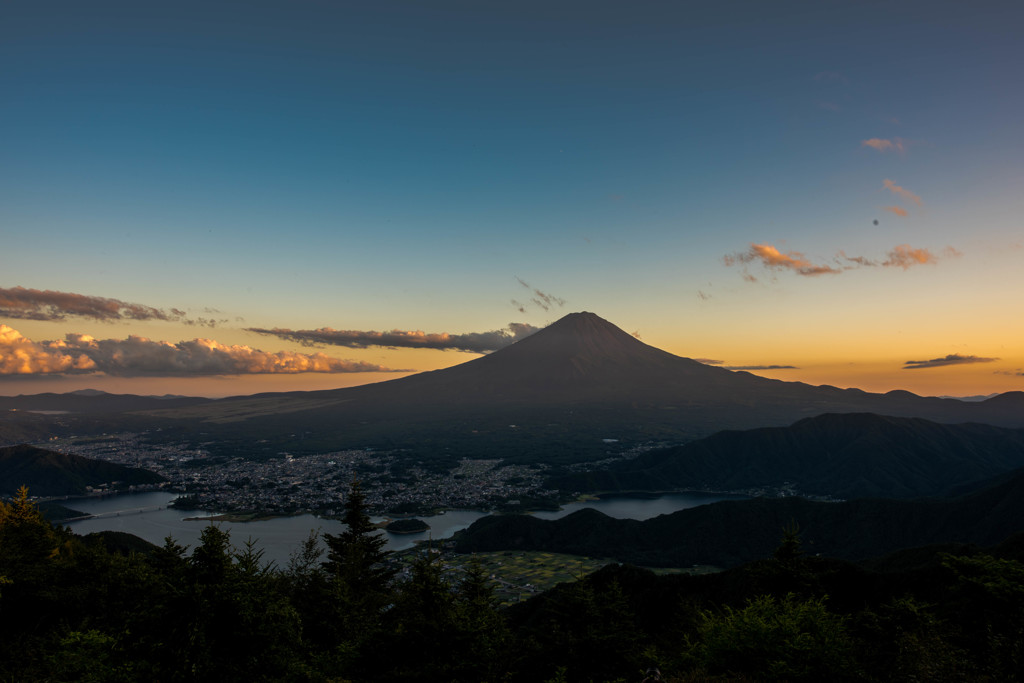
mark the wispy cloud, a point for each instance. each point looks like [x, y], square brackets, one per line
[476, 342]
[770, 257]
[35, 304]
[760, 367]
[901, 256]
[882, 145]
[1019, 372]
[708, 361]
[139, 356]
[901, 192]
[898, 210]
[951, 359]
[541, 299]
[904, 256]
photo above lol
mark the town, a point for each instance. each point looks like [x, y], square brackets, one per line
[317, 483]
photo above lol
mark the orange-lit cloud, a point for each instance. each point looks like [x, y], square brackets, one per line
[138, 356]
[898, 210]
[904, 256]
[21, 356]
[901, 256]
[894, 145]
[902, 192]
[476, 342]
[760, 367]
[770, 257]
[951, 359]
[35, 304]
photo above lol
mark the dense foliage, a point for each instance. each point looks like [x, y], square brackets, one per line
[74, 610]
[731, 533]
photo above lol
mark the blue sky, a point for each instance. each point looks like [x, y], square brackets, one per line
[408, 166]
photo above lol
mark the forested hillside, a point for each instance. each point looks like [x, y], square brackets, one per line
[845, 456]
[75, 610]
[729, 533]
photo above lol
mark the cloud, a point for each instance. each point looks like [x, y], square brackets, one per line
[772, 258]
[708, 361]
[895, 145]
[898, 210]
[861, 261]
[904, 256]
[476, 342]
[1012, 373]
[139, 356]
[760, 367]
[545, 301]
[21, 356]
[48, 305]
[951, 359]
[901, 191]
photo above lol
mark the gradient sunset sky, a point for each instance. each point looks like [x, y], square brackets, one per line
[217, 198]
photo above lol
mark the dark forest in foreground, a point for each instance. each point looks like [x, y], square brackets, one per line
[75, 610]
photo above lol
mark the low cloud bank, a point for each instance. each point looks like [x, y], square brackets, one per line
[951, 359]
[475, 342]
[139, 356]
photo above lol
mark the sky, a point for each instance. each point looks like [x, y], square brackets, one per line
[224, 198]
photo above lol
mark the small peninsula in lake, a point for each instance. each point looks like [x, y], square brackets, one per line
[407, 526]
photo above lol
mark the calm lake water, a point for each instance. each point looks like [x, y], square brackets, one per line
[282, 536]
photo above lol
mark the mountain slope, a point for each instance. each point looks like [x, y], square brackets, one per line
[842, 455]
[730, 533]
[552, 397]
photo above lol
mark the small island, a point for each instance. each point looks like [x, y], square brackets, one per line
[407, 526]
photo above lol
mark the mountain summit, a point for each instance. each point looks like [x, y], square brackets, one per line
[581, 357]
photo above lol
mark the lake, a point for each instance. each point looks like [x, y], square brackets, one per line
[280, 537]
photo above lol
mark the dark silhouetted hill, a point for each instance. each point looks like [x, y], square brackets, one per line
[47, 473]
[840, 455]
[730, 533]
[93, 401]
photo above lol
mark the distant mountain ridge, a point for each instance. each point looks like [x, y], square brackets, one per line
[852, 455]
[92, 401]
[730, 533]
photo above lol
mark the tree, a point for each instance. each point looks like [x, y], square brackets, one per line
[358, 589]
[483, 639]
[788, 639]
[356, 556]
[423, 625]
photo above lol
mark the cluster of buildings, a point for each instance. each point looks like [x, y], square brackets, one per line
[289, 484]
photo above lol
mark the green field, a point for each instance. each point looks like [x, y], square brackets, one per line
[518, 575]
